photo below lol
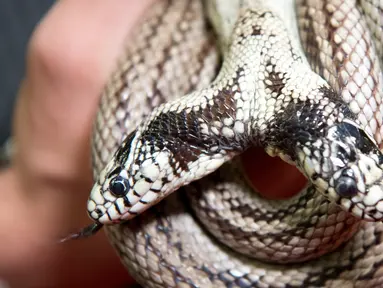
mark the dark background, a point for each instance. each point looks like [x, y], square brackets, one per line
[17, 20]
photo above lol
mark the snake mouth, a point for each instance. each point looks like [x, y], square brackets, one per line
[262, 171]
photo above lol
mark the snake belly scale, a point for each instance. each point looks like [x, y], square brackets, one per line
[217, 232]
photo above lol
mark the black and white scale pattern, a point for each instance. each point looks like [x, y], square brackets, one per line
[166, 246]
[265, 94]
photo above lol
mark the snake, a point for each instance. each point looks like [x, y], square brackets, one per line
[198, 84]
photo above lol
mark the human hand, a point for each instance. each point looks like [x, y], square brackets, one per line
[70, 57]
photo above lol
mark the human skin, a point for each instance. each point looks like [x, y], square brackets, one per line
[70, 56]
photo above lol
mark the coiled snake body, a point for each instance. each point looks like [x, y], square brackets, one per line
[265, 94]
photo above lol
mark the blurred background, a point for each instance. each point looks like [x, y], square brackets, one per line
[17, 21]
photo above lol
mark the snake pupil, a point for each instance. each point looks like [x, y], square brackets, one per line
[346, 187]
[119, 186]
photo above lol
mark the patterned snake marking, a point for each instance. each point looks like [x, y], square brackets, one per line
[217, 232]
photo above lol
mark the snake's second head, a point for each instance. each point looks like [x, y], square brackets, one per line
[347, 167]
[109, 199]
[126, 187]
[138, 176]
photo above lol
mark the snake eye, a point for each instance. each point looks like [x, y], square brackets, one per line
[119, 186]
[346, 187]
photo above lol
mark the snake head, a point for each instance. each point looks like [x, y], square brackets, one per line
[347, 167]
[107, 193]
[118, 196]
[129, 185]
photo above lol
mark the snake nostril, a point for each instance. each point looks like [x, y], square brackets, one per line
[98, 211]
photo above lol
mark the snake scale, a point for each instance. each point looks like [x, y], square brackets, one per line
[320, 110]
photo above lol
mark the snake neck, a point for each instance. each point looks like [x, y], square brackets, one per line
[302, 123]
